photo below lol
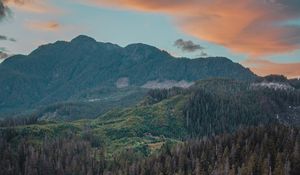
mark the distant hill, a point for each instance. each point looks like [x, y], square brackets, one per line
[78, 70]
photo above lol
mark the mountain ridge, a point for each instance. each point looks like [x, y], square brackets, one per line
[61, 70]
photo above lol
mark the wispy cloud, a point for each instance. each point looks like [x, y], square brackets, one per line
[49, 26]
[34, 6]
[265, 67]
[5, 38]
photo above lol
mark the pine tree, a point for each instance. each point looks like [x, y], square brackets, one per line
[279, 167]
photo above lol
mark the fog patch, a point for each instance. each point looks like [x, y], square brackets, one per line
[167, 84]
[122, 82]
[272, 85]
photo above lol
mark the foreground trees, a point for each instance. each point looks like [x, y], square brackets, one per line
[258, 150]
[68, 155]
[271, 150]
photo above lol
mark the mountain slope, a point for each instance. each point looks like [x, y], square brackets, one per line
[208, 108]
[63, 70]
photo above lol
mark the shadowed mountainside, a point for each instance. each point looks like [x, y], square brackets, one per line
[71, 71]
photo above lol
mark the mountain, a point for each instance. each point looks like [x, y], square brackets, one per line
[82, 69]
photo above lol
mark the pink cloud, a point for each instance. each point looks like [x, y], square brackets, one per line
[265, 67]
[254, 27]
[43, 26]
[33, 6]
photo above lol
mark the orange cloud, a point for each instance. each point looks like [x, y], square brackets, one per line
[43, 26]
[265, 67]
[33, 6]
[254, 27]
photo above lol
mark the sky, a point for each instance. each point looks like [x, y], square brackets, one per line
[263, 35]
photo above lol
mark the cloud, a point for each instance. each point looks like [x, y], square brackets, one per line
[5, 38]
[50, 26]
[33, 6]
[253, 27]
[265, 67]
[2, 37]
[203, 54]
[187, 46]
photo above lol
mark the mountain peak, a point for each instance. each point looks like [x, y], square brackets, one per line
[140, 46]
[140, 51]
[83, 38]
[222, 59]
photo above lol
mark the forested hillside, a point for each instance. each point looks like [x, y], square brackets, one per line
[123, 139]
[272, 149]
[209, 107]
